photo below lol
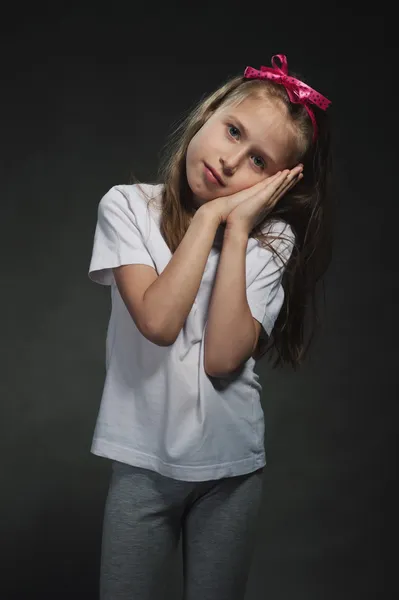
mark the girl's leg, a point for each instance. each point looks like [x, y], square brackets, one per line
[140, 533]
[219, 534]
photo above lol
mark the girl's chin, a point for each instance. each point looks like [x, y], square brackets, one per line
[200, 195]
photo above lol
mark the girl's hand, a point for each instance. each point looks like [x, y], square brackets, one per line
[261, 199]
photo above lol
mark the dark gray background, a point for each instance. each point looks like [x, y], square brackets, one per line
[88, 96]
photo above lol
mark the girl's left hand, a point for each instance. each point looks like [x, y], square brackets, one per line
[251, 212]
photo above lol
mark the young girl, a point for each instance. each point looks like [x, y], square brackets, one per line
[209, 269]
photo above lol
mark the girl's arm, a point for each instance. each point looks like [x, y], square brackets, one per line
[169, 299]
[231, 333]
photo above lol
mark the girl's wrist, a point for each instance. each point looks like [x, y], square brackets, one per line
[237, 232]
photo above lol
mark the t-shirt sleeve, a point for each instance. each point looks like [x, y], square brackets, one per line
[265, 293]
[117, 238]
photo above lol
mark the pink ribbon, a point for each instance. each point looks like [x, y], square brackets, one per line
[298, 92]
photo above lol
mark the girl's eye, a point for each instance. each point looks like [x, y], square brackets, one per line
[262, 165]
[235, 131]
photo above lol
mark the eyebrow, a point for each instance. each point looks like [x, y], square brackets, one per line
[245, 132]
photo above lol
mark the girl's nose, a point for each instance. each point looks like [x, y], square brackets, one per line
[229, 169]
[230, 165]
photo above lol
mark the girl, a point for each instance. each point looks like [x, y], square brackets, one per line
[209, 269]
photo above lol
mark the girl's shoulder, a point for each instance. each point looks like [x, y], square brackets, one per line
[138, 191]
[133, 196]
[277, 240]
[275, 225]
[278, 227]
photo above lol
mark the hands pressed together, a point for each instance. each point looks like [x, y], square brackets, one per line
[247, 208]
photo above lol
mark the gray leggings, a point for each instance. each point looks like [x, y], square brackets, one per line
[145, 514]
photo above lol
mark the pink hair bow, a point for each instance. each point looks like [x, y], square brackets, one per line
[298, 91]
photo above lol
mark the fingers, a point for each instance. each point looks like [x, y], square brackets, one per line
[294, 176]
[274, 187]
[285, 181]
[254, 191]
[275, 181]
[289, 175]
[280, 180]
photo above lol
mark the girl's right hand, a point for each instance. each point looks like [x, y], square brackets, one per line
[268, 190]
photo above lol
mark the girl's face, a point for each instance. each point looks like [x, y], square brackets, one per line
[243, 145]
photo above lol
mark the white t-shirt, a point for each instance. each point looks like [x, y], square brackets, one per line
[159, 409]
